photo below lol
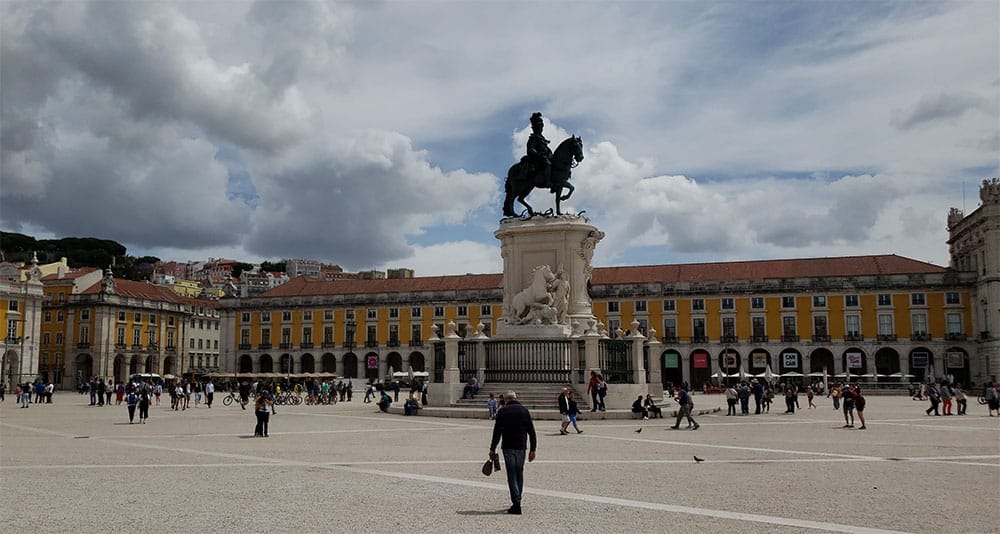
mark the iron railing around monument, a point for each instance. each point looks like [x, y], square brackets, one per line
[582, 374]
[532, 361]
[467, 360]
[614, 357]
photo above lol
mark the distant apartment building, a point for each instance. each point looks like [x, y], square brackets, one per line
[299, 267]
[395, 274]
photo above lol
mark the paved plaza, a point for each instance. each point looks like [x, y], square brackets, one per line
[72, 467]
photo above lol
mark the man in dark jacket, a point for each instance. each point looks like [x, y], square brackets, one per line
[514, 425]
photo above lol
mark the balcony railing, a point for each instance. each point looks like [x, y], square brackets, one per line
[264, 346]
[821, 338]
[392, 343]
[306, 345]
[699, 339]
[136, 346]
[758, 339]
[416, 342]
[371, 344]
[329, 344]
[152, 346]
[245, 346]
[669, 340]
[887, 337]
[789, 339]
[853, 337]
[729, 339]
[285, 346]
[955, 336]
[171, 348]
[83, 345]
[920, 337]
[119, 345]
[349, 345]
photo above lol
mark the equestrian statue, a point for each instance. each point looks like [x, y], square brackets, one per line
[542, 168]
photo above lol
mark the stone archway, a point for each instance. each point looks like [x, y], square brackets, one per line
[855, 362]
[759, 359]
[286, 364]
[395, 360]
[119, 369]
[886, 362]
[671, 368]
[730, 361]
[307, 364]
[371, 371]
[266, 363]
[920, 361]
[350, 365]
[84, 368]
[701, 368]
[246, 364]
[169, 366]
[328, 364]
[820, 360]
[133, 365]
[418, 362]
[956, 366]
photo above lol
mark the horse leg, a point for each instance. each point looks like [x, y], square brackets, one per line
[568, 193]
[521, 199]
[508, 200]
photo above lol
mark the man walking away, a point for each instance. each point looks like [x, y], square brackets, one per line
[684, 407]
[514, 425]
[564, 411]
[209, 393]
[131, 400]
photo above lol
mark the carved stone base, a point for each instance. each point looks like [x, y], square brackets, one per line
[565, 244]
[533, 331]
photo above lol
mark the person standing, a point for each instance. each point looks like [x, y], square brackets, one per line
[491, 406]
[758, 395]
[960, 399]
[143, 404]
[423, 393]
[731, 397]
[514, 425]
[573, 411]
[564, 411]
[684, 407]
[945, 392]
[809, 397]
[847, 395]
[262, 409]
[209, 393]
[993, 398]
[932, 395]
[131, 401]
[592, 391]
[744, 396]
[25, 395]
[859, 405]
[245, 394]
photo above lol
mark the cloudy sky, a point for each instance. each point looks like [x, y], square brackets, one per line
[378, 134]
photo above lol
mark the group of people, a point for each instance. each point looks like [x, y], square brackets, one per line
[597, 388]
[943, 397]
[647, 407]
[23, 393]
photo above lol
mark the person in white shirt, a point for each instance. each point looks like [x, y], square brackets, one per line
[209, 393]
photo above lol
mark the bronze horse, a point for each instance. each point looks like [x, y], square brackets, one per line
[519, 185]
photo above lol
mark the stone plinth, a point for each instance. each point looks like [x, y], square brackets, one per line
[564, 244]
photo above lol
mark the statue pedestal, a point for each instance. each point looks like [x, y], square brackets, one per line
[562, 243]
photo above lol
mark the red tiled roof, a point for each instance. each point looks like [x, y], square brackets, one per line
[882, 265]
[765, 269]
[148, 291]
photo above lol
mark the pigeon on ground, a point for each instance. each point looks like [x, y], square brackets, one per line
[640, 430]
[699, 460]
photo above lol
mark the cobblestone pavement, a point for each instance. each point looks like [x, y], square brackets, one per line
[72, 467]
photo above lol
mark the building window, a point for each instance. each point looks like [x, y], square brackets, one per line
[614, 325]
[884, 299]
[286, 316]
[918, 299]
[265, 317]
[758, 327]
[48, 316]
[415, 337]
[820, 326]
[819, 301]
[670, 329]
[307, 315]
[192, 343]
[121, 316]
[11, 330]
[327, 335]
[137, 318]
[327, 315]
[463, 311]
[486, 310]
[438, 311]
[461, 329]
[372, 313]
[59, 316]
[372, 334]
[757, 303]
[245, 336]
[952, 298]
[245, 317]
[729, 328]
[45, 338]
[787, 302]
[393, 334]
[151, 334]
[788, 326]
[201, 324]
[853, 326]
[728, 304]
[120, 340]
[307, 334]
[918, 324]
[954, 323]
[59, 338]
[84, 334]
[669, 305]
[137, 336]
[414, 312]
[640, 305]
[851, 301]
[201, 344]
[84, 315]
[170, 321]
[613, 306]
[265, 336]
[643, 326]
[698, 327]
[152, 319]
[286, 336]
[12, 305]
[885, 324]
[349, 314]
[698, 304]
[394, 313]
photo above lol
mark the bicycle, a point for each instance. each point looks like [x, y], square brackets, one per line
[232, 397]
